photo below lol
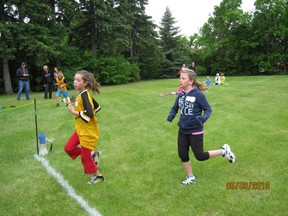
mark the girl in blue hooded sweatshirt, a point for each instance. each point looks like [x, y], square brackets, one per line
[194, 111]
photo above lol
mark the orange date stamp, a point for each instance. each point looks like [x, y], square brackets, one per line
[248, 185]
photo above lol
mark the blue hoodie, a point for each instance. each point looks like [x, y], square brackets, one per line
[191, 106]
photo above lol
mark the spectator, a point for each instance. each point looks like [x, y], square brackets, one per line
[193, 67]
[208, 81]
[179, 72]
[47, 79]
[23, 75]
[217, 79]
[222, 79]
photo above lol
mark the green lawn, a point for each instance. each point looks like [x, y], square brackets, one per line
[139, 153]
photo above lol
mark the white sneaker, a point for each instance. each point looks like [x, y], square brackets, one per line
[189, 180]
[95, 179]
[228, 153]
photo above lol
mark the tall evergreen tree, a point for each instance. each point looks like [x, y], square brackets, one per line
[144, 47]
[92, 25]
[7, 48]
[169, 37]
[120, 34]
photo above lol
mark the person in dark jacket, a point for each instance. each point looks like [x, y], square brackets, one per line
[193, 67]
[194, 112]
[23, 83]
[47, 79]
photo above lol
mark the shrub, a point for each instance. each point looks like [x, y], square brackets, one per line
[201, 70]
[113, 70]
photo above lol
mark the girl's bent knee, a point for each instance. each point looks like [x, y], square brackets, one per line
[67, 149]
[184, 158]
[202, 157]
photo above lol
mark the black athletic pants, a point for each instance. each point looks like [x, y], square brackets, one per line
[195, 142]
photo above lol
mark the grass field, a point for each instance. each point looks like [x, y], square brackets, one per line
[139, 153]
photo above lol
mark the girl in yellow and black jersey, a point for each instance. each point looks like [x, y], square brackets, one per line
[87, 131]
[61, 84]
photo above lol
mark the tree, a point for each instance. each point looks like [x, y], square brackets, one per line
[271, 34]
[6, 48]
[245, 43]
[146, 48]
[224, 39]
[143, 41]
[28, 33]
[91, 25]
[169, 37]
[219, 29]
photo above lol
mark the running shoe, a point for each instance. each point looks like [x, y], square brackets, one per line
[228, 153]
[95, 179]
[189, 180]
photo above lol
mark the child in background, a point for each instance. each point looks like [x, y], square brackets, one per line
[179, 72]
[192, 103]
[62, 87]
[217, 79]
[222, 79]
[56, 69]
[208, 81]
[87, 131]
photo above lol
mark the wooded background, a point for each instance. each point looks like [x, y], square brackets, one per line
[119, 42]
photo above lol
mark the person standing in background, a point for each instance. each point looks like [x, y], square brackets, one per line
[193, 67]
[47, 79]
[23, 75]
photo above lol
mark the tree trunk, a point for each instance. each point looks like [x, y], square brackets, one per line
[93, 43]
[131, 44]
[6, 78]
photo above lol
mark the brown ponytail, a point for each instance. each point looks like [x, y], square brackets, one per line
[92, 84]
[193, 76]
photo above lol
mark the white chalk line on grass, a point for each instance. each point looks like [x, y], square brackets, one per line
[67, 187]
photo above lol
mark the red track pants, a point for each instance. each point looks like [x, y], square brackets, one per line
[73, 150]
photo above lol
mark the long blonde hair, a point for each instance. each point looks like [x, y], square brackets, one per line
[88, 77]
[193, 76]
